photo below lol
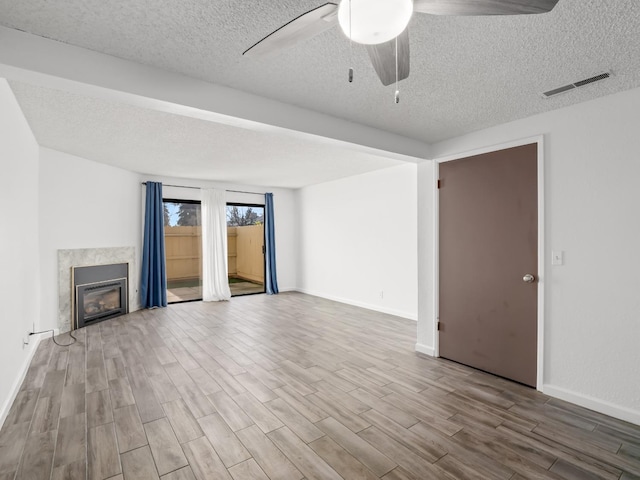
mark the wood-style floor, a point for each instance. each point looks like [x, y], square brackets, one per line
[288, 387]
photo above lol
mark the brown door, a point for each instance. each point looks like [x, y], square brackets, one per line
[488, 243]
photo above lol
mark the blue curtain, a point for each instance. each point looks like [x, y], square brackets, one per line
[153, 280]
[270, 247]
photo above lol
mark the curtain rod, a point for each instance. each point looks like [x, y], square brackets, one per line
[200, 188]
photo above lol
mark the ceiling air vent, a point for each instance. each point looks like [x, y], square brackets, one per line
[571, 86]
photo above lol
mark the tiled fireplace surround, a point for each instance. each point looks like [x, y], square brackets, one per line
[83, 257]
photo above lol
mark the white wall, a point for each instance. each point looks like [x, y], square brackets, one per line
[592, 181]
[18, 245]
[284, 211]
[358, 238]
[83, 204]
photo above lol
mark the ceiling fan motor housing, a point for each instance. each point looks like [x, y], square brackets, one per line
[374, 21]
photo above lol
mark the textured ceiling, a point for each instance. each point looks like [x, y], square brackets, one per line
[158, 143]
[467, 73]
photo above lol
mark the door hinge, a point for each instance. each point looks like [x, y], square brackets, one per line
[439, 184]
[439, 326]
[263, 250]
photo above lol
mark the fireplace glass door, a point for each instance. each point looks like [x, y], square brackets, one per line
[99, 301]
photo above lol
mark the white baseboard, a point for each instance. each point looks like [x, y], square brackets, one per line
[425, 349]
[368, 306]
[286, 289]
[20, 374]
[586, 401]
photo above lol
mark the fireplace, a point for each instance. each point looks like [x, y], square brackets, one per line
[99, 292]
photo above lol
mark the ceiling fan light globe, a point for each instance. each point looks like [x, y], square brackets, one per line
[374, 21]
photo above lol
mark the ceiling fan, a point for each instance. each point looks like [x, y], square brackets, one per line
[381, 25]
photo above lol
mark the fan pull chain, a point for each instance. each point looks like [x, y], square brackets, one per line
[397, 95]
[350, 47]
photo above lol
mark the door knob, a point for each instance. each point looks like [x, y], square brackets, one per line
[528, 278]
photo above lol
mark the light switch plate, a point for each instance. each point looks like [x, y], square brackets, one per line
[557, 257]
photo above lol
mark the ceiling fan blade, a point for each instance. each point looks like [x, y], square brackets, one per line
[383, 58]
[301, 28]
[483, 7]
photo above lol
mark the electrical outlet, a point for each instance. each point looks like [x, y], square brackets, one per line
[381, 294]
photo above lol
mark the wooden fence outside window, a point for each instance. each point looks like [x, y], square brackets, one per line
[183, 250]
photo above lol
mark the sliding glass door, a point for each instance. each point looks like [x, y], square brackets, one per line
[183, 250]
[245, 236]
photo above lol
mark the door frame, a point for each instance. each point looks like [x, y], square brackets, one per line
[539, 140]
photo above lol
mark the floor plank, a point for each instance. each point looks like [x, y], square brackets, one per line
[183, 422]
[260, 415]
[138, 464]
[229, 410]
[46, 414]
[204, 460]
[71, 443]
[426, 448]
[23, 407]
[184, 473]
[412, 464]
[356, 446]
[341, 460]
[148, 405]
[99, 409]
[302, 427]
[129, 429]
[224, 441]
[73, 400]
[247, 470]
[274, 463]
[197, 402]
[102, 451]
[166, 450]
[38, 455]
[305, 459]
[70, 471]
